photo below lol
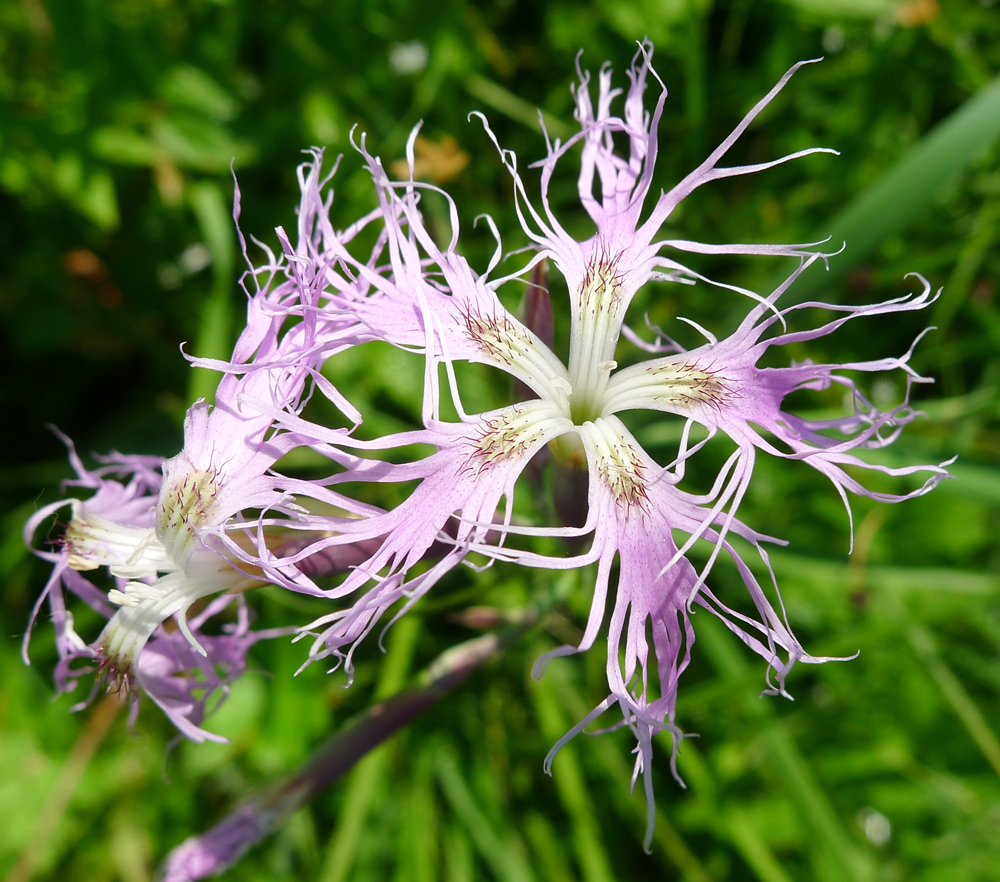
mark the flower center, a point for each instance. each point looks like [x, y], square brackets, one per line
[185, 506]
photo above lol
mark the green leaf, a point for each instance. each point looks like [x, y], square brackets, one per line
[500, 853]
[907, 189]
[516, 108]
[90, 191]
[838, 10]
[122, 146]
[573, 789]
[369, 779]
[192, 88]
[198, 143]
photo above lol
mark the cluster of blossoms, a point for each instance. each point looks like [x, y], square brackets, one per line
[218, 518]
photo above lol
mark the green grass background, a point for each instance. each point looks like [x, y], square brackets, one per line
[118, 123]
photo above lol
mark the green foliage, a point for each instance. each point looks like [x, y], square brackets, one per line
[118, 125]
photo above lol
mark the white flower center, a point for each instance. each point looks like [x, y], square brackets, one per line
[168, 568]
[506, 343]
[591, 390]
[185, 508]
[513, 431]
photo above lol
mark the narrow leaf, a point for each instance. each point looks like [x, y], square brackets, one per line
[907, 189]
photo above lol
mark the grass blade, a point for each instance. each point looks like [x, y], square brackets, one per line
[906, 189]
[215, 328]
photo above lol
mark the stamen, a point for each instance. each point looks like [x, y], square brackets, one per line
[498, 337]
[184, 509]
[93, 541]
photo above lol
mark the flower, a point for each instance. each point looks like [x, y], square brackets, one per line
[175, 532]
[185, 537]
[120, 526]
[428, 299]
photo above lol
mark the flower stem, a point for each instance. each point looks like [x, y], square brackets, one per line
[262, 814]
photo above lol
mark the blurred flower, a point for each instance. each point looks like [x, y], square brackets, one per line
[914, 13]
[439, 162]
[408, 58]
[150, 531]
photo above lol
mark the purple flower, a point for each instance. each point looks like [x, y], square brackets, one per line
[175, 532]
[185, 537]
[162, 539]
[428, 299]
